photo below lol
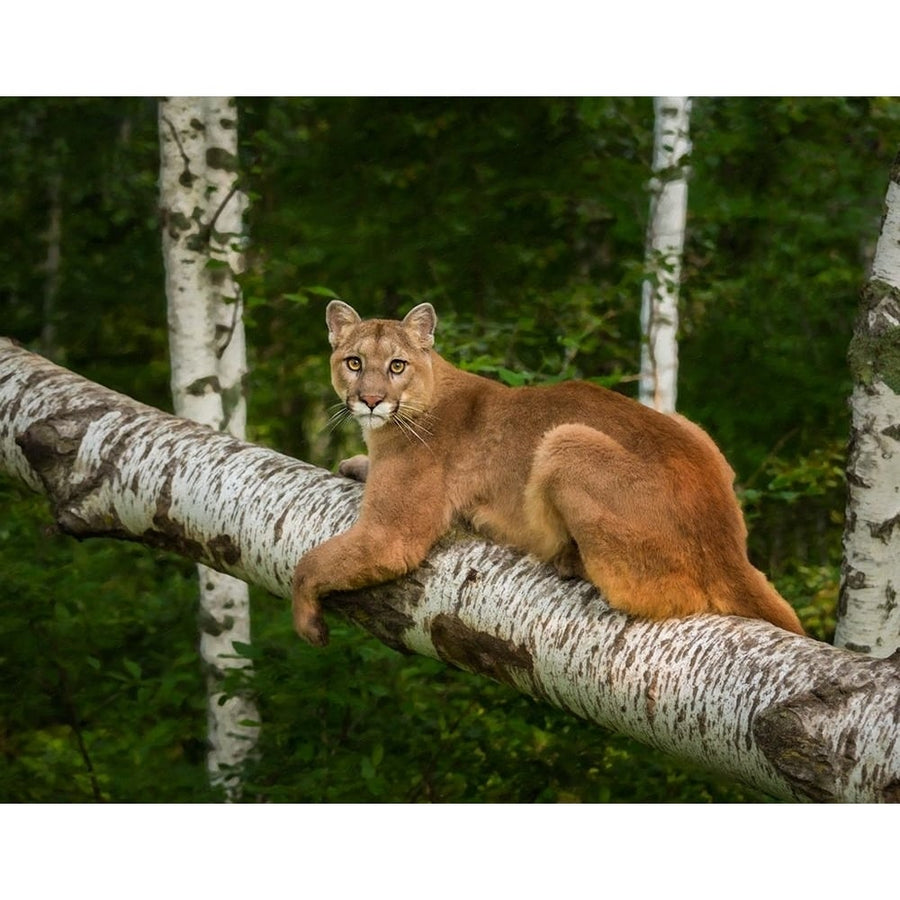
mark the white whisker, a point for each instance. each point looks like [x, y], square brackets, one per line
[420, 412]
[338, 417]
[415, 423]
[411, 427]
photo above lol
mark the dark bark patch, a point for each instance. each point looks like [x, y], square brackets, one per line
[51, 444]
[45, 448]
[795, 754]
[174, 222]
[224, 551]
[884, 531]
[702, 725]
[51, 447]
[890, 600]
[168, 533]
[651, 694]
[69, 521]
[172, 539]
[212, 626]
[376, 611]
[220, 158]
[279, 525]
[476, 651]
[163, 502]
[207, 385]
[790, 738]
[855, 479]
[854, 578]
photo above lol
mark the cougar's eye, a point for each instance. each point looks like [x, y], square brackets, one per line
[397, 366]
[354, 363]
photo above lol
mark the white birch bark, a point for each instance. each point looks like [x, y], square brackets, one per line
[868, 609]
[202, 216]
[665, 244]
[225, 212]
[786, 714]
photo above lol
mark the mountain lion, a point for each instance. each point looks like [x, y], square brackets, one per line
[638, 502]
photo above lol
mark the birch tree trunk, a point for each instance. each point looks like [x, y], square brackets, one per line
[202, 215]
[868, 609]
[786, 714]
[665, 244]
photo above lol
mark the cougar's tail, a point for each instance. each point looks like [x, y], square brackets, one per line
[762, 601]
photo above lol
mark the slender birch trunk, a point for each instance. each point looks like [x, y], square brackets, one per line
[202, 234]
[665, 244]
[868, 608]
[786, 714]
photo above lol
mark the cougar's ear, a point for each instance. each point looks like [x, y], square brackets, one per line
[421, 320]
[339, 315]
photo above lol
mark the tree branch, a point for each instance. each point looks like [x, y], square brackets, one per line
[786, 714]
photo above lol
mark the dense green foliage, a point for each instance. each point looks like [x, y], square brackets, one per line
[522, 221]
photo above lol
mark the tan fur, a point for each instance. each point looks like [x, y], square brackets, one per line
[638, 502]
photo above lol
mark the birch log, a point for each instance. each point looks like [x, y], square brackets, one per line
[665, 244]
[786, 714]
[202, 230]
[868, 610]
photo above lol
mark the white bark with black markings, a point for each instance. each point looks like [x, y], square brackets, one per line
[869, 607]
[783, 713]
[658, 386]
[201, 211]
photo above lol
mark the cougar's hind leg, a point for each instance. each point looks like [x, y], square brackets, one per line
[574, 466]
[617, 510]
[545, 533]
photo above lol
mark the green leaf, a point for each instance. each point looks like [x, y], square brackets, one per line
[319, 291]
[133, 669]
[513, 379]
[247, 651]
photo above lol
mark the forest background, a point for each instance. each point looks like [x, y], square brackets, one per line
[523, 222]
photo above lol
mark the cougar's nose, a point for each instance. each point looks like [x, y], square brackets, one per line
[371, 400]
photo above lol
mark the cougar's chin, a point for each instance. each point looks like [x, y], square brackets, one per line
[371, 421]
[371, 418]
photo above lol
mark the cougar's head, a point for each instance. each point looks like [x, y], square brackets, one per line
[381, 368]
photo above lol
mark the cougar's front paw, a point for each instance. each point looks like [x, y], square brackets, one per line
[310, 625]
[357, 467]
[308, 620]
